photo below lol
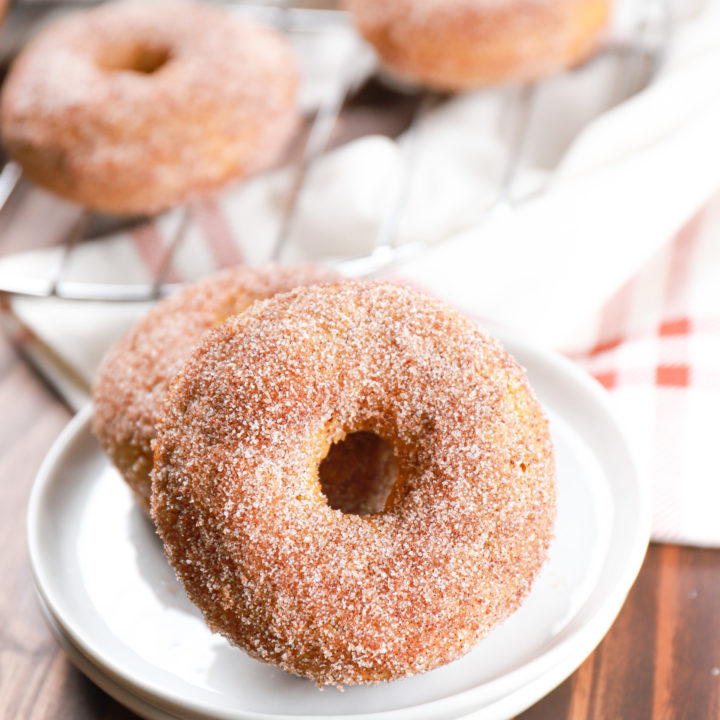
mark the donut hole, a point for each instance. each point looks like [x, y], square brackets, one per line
[358, 473]
[144, 59]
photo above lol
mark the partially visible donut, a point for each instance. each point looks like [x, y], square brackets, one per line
[134, 107]
[336, 597]
[461, 44]
[133, 378]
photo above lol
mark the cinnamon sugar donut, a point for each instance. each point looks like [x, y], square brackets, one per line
[133, 378]
[460, 44]
[337, 597]
[134, 107]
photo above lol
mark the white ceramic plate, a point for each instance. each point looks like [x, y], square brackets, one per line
[101, 574]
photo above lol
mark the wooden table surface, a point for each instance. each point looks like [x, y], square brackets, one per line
[661, 658]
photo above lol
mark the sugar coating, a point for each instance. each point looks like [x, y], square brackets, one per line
[80, 121]
[460, 44]
[341, 598]
[131, 382]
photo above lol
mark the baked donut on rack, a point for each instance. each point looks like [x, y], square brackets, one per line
[338, 597]
[132, 380]
[460, 44]
[134, 107]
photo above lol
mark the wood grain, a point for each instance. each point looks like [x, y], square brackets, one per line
[661, 657]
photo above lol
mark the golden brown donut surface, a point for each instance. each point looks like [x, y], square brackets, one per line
[460, 44]
[134, 107]
[337, 597]
[133, 378]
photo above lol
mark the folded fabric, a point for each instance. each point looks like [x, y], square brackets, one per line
[657, 350]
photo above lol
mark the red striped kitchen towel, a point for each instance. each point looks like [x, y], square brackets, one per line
[657, 351]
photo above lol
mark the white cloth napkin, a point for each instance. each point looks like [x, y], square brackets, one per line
[609, 184]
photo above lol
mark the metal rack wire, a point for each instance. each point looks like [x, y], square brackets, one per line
[640, 56]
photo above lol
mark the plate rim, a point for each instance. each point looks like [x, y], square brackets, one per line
[123, 695]
[578, 645]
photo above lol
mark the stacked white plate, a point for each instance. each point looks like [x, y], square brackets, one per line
[114, 605]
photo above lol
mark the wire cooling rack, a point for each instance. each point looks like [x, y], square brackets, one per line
[639, 56]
